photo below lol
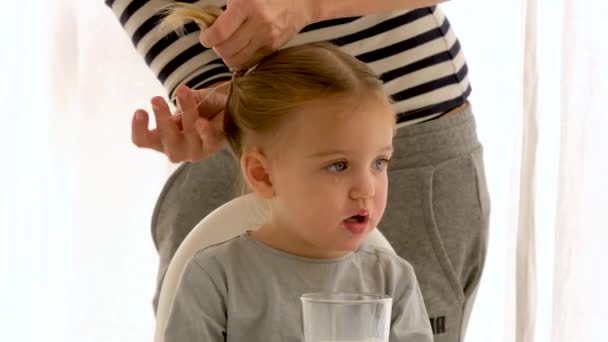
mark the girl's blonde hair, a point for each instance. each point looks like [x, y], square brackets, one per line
[282, 82]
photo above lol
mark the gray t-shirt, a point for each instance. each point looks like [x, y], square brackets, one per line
[243, 290]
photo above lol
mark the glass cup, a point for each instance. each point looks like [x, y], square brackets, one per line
[346, 317]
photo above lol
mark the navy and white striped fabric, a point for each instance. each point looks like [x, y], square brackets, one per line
[415, 52]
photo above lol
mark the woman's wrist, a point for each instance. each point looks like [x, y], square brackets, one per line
[325, 9]
[332, 9]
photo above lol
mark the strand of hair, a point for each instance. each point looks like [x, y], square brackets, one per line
[176, 16]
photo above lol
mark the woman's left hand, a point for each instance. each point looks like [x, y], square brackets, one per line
[249, 30]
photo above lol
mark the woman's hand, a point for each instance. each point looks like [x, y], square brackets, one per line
[249, 30]
[194, 133]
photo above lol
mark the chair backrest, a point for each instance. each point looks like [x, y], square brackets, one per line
[228, 221]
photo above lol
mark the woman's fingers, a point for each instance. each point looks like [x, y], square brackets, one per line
[188, 108]
[225, 25]
[247, 58]
[141, 136]
[170, 136]
[211, 134]
[238, 43]
[181, 137]
[212, 100]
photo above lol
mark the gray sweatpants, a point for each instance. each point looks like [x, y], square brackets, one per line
[436, 217]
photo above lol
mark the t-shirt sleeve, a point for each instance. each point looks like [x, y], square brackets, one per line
[410, 321]
[174, 59]
[199, 309]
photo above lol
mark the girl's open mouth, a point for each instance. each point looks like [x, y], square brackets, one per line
[357, 224]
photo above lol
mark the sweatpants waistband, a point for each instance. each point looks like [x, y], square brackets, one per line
[437, 140]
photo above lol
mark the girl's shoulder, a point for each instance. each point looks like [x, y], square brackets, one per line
[385, 259]
[222, 253]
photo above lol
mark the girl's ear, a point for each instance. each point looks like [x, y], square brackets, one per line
[254, 166]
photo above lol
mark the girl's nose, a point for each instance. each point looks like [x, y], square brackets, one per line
[363, 187]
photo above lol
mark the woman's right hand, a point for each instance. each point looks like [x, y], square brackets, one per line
[195, 132]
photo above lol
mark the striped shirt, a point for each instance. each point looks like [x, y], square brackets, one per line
[415, 53]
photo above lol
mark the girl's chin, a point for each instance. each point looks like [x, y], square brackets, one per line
[352, 245]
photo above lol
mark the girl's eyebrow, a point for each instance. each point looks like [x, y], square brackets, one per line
[386, 149]
[325, 153]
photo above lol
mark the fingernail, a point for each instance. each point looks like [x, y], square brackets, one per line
[139, 116]
[156, 103]
[184, 92]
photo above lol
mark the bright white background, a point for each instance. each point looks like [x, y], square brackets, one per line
[77, 259]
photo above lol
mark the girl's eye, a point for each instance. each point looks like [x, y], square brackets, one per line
[381, 164]
[338, 166]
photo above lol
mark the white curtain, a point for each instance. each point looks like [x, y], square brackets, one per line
[580, 299]
[76, 197]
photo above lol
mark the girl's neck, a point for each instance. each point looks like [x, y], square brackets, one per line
[282, 239]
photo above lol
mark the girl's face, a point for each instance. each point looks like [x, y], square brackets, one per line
[329, 177]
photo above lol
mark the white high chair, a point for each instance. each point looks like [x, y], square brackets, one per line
[228, 221]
